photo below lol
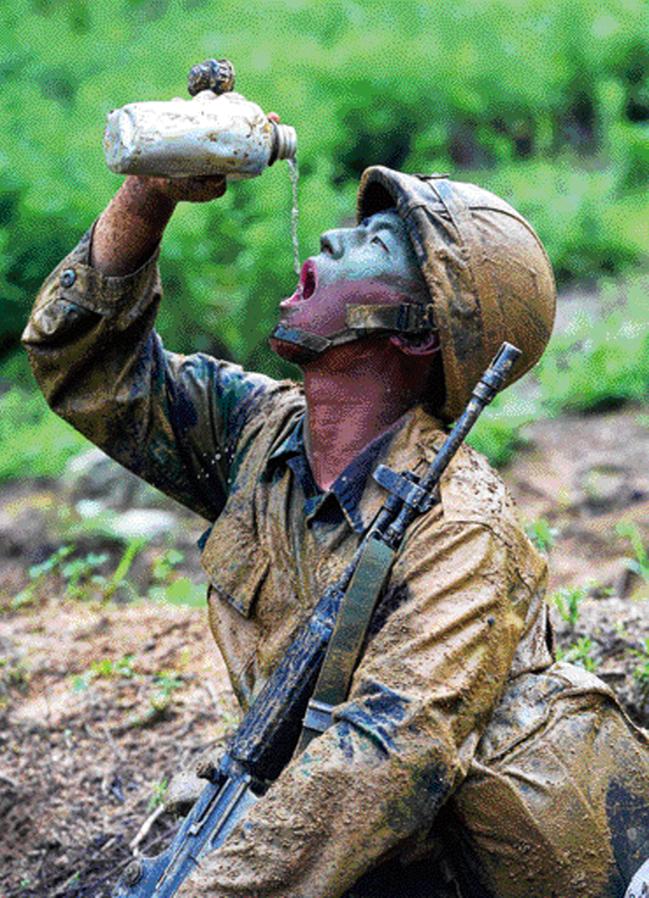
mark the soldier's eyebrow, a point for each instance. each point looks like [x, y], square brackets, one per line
[377, 225]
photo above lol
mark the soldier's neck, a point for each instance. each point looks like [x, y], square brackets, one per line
[350, 404]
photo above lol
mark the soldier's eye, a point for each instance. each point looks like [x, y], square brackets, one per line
[378, 240]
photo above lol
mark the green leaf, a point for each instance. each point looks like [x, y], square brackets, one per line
[185, 592]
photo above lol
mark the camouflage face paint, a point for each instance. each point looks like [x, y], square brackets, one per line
[372, 263]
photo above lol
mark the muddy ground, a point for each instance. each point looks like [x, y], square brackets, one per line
[103, 695]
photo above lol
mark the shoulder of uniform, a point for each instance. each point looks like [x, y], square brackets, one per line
[472, 492]
[274, 417]
[280, 403]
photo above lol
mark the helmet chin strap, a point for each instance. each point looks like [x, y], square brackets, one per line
[406, 318]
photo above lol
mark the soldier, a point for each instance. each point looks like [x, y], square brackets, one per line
[464, 758]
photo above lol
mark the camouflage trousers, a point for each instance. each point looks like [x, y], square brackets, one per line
[555, 803]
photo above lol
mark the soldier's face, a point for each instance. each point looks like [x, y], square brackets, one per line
[371, 264]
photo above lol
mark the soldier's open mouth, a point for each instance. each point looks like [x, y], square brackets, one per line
[306, 286]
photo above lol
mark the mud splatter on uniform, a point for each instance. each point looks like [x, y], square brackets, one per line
[531, 801]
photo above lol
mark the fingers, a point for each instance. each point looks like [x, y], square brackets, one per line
[200, 190]
[190, 190]
[274, 117]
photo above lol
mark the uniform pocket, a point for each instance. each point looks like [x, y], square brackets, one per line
[235, 564]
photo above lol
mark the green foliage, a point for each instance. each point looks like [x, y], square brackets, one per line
[543, 100]
[168, 587]
[641, 672]
[81, 574]
[158, 794]
[542, 534]
[38, 574]
[547, 103]
[118, 580]
[581, 652]
[499, 432]
[163, 565]
[161, 686]
[104, 669]
[567, 601]
[639, 564]
[34, 441]
[78, 572]
[599, 362]
[166, 683]
[181, 591]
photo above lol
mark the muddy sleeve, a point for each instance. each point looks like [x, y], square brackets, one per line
[172, 419]
[401, 744]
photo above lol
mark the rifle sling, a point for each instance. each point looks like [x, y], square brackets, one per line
[348, 637]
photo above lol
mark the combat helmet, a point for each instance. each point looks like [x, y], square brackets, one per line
[488, 276]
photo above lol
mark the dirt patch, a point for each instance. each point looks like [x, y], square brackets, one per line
[587, 477]
[86, 750]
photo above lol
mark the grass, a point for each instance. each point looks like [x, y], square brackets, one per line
[567, 601]
[641, 672]
[639, 563]
[581, 652]
[35, 442]
[542, 534]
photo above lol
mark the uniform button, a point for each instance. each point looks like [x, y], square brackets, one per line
[68, 277]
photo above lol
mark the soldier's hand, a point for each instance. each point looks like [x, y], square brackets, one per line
[188, 190]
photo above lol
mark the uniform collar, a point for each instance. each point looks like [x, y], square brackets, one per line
[405, 447]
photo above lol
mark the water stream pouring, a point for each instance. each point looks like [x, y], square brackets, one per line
[294, 174]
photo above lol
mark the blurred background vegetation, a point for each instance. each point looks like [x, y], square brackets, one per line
[544, 101]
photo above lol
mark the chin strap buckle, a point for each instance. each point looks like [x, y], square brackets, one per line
[414, 318]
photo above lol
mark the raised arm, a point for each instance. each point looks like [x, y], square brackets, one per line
[171, 419]
[131, 227]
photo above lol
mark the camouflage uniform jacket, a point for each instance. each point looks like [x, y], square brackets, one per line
[463, 611]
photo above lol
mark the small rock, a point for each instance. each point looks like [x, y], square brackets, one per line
[144, 522]
[603, 487]
[95, 476]
[89, 508]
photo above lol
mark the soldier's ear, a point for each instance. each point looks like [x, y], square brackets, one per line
[426, 345]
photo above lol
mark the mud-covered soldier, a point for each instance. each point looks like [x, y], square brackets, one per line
[463, 752]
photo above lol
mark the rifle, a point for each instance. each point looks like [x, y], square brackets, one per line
[262, 744]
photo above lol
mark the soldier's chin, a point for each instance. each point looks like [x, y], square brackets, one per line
[291, 352]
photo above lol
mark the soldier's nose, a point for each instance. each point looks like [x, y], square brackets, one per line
[332, 244]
